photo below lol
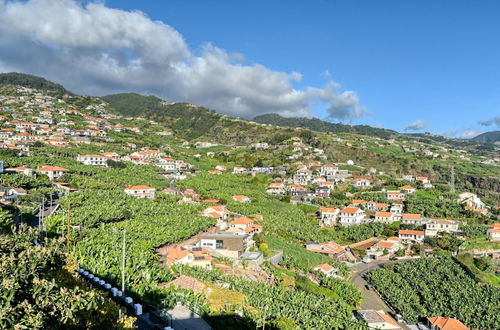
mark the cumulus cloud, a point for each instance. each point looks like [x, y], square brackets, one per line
[495, 121]
[95, 50]
[417, 125]
[469, 134]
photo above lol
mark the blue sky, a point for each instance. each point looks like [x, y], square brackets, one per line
[433, 64]
[436, 61]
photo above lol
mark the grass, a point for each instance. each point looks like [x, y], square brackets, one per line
[484, 277]
[479, 243]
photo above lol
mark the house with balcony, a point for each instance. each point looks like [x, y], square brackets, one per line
[411, 236]
[433, 227]
[351, 216]
[92, 160]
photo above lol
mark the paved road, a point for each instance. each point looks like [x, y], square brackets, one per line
[371, 298]
[45, 212]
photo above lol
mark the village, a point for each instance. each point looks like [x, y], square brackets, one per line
[306, 178]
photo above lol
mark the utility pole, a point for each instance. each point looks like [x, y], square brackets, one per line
[68, 229]
[452, 183]
[123, 263]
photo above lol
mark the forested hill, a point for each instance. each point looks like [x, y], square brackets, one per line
[488, 137]
[319, 125]
[30, 81]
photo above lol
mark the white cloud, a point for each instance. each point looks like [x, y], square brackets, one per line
[96, 50]
[469, 134]
[417, 125]
[495, 121]
[450, 133]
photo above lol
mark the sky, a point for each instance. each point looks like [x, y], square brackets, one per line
[412, 66]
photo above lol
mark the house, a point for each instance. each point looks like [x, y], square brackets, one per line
[397, 209]
[425, 181]
[378, 320]
[390, 245]
[276, 188]
[231, 245]
[330, 249]
[326, 269]
[297, 190]
[494, 232]
[53, 172]
[141, 192]
[414, 236]
[195, 256]
[221, 168]
[244, 225]
[20, 170]
[241, 199]
[328, 215]
[216, 212]
[433, 227]
[328, 171]
[93, 160]
[352, 216]
[445, 323]
[302, 177]
[167, 164]
[239, 170]
[357, 202]
[322, 191]
[384, 217]
[14, 193]
[408, 189]
[413, 219]
[395, 195]
[111, 155]
[471, 200]
[360, 182]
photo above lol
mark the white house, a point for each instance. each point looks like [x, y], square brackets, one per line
[360, 182]
[433, 227]
[93, 160]
[395, 195]
[53, 172]
[413, 219]
[415, 236]
[141, 191]
[378, 320]
[384, 217]
[326, 269]
[494, 232]
[328, 215]
[276, 188]
[241, 199]
[167, 164]
[352, 216]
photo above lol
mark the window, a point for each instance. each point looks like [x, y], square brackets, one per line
[219, 244]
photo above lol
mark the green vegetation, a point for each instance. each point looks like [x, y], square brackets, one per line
[30, 81]
[483, 268]
[440, 286]
[488, 137]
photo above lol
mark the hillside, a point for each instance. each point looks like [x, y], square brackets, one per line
[31, 81]
[488, 137]
[319, 125]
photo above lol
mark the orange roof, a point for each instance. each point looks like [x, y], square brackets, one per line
[49, 168]
[495, 230]
[297, 186]
[350, 210]
[214, 215]
[19, 168]
[328, 210]
[176, 254]
[383, 214]
[210, 201]
[381, 205]
[495, 225]
[411, 232]
[385, 244]
[239, 197]
[325, 267]
[406, 187]
[169, 159]
[387, 318]
[447, 323]
[358, 201]
[276, 185]
[411, 216]
[241, 221]
[139, 188]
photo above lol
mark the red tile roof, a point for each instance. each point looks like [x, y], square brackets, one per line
[447, 323]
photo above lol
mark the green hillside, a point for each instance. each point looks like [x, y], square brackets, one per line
[488, 137]
[31, 81]
[319, 125]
